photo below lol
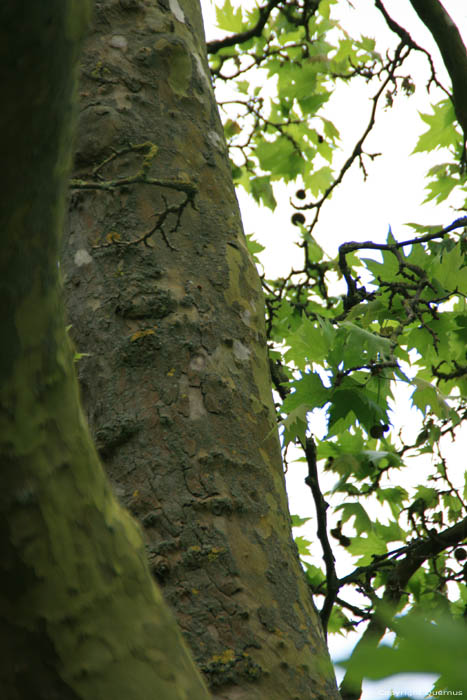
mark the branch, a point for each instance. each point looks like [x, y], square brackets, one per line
[353, 295]
[351, 246]
[148, 150]
[402, 33]
[264, 12]
[109, 185]
[460, 371]
[417, 554]
[405, 37]
[321, 506]
[452, 49]
[312, 480]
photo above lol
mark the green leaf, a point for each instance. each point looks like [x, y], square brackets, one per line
[454, 507]
[368, 43]
[330, 130]
[280, 158]
[315, 252]
[346, 465]
[254, 247]
[314, 575]
[303, 546]
[429, 496]
[426, 395]
[367, 547]
[356, 402]
[337, 621]
[318, 181]
[262, 191]
[392, 532]
[387, 270]
[295, 425]
[378, 456]
[424, 228]
[367, 312]
[308, 391]
[423, 647]
[228, 18]
[394, 497]
[309, 343]
[310, 104]
[243, 86]
[441, 132]
[440, 189]
[451, 271]
[297, 521]
[374, 345]
[355, 510]
[324, 8]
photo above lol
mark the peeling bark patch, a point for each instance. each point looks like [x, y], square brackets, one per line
[177, 10]
[179, 63]
[201, 72]
[240, 351]
[196, 403]
[217, 141]
[82, 257]
[119, 42]
[198, 363]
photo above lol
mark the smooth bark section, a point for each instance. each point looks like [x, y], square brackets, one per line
[163, 294]
[80, 617]
[452, 49]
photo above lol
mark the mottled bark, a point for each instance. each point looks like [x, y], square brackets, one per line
[80, 616]
[163, 295]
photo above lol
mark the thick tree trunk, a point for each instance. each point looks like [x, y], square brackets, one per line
[80, 616]
[163, 295]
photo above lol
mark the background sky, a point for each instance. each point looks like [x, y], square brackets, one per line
[392, 195]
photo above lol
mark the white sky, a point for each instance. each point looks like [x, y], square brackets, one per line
[362, 210]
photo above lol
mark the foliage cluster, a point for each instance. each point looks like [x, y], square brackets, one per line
[348, 334]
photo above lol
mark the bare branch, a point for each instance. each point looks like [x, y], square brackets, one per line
[321, 506]
[405, 37]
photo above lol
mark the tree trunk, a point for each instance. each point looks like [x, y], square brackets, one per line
[80, 616]
[164, 297]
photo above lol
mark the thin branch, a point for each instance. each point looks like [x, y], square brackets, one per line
[460, 371]
[109, 185]
[351, 246]
[321, 508]
[404, 35]
[312, 480]
[399, 57]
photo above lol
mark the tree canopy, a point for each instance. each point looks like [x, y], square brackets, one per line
[350, 334]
